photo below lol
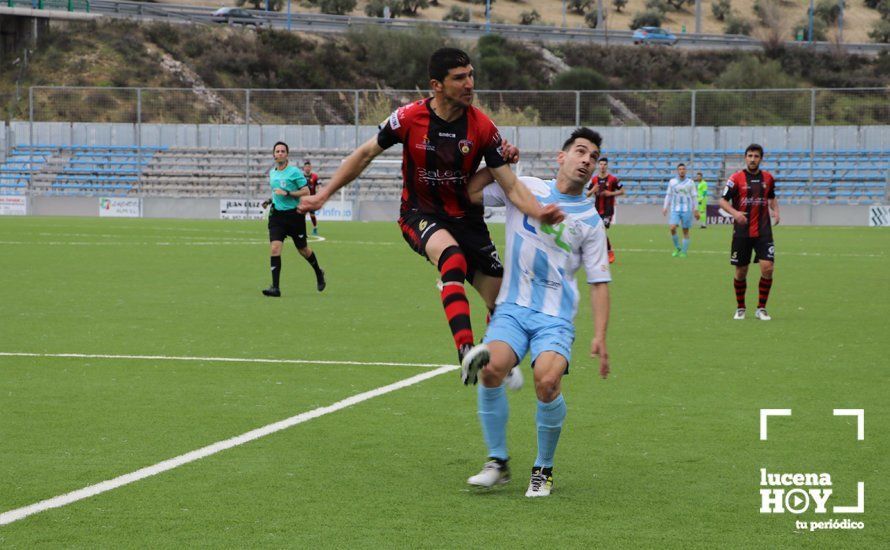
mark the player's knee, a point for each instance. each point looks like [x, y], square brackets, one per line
[453, 265]
[305, 251]
[275, 249]
[492, 376]
[766, 270]
[547, 387]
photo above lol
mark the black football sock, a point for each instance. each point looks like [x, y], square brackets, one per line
[313, 261]
[276, 270]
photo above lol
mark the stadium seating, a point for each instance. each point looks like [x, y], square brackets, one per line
[843, 177]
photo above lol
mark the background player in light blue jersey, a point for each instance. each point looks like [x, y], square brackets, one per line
[537, 304]
[682, 199]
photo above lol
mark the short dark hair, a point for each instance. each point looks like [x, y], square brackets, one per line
[698, 174]
[277, 143]
[445, 59]
[681, 164]
[307, 163]
[604, 159]
[583, 133]
[755, 147]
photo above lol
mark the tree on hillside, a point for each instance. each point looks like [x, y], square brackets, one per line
[579, 6]
[619, 4]
[721, 9]
[678, 4]
[333, 7]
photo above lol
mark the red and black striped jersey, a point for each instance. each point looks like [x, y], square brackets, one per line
[312, 181]
[749, 193]
[605, 206]
[439, 157]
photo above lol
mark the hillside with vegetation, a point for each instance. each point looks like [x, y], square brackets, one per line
[202, 58]
[863, 20]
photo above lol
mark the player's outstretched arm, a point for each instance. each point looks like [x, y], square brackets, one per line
[599, 301]
[520, 196]
[351, 168]
[480, 180]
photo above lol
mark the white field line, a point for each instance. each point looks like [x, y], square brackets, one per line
[693, 251]
[217, 359]
[93, 490]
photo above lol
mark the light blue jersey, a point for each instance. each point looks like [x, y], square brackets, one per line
[289, 179]
[682, 196]
[541, 260]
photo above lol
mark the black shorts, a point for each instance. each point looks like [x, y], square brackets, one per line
[742, 247]
[471, 235]
[287, 223]
[607, 221]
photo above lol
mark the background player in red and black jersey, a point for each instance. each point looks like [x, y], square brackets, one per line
[312, 181]
[750, 198]
[444, 140]
[605, 187]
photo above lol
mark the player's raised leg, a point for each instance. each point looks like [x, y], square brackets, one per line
[549, 368]
[493, 413]
[442, 249]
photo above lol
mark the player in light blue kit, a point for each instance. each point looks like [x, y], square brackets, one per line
[682, 199]
[537, 304]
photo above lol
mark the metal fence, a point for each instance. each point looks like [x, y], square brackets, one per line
[790, 107]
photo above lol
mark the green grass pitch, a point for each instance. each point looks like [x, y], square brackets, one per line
[665, 453]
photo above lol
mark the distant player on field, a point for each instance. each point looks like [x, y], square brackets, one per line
[702, 200]
[444, 139]
[312, 180]
[750, 197]
[681, 198]
[605, 187]
[537, 304]
[288, 185]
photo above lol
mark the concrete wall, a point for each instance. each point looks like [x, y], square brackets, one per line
[528, 138]
[155, 207]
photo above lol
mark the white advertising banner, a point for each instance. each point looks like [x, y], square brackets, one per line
[13, 205]
[241, 209]
[117, 207]
[337, 211]
[879, 216]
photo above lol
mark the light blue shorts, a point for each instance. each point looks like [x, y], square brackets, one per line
[523, 328]
[683, 219]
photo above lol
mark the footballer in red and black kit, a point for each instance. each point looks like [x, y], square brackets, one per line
[438, 159]
[605, 205]
[750, 193]
[750, 198]
[444, 140]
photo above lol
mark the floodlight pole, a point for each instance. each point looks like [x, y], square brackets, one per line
[563, 13]
[840, 23]
[599, 14]
[487, 16]
[697, 16]
[288, 15]
[810, 14]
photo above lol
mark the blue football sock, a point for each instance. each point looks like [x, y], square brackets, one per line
[685, 245]
[493, 412]
[676, 240]
[549, 419]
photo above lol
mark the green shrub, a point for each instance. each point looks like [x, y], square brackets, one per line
[457, 13]
[529, 18]
[736, 25]
[580, 79]
[721, 9]
[880, 33]
[646, 19]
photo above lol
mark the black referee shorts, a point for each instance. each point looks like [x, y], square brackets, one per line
[287, 223]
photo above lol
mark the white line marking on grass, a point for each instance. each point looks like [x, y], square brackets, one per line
[93, 490]
[694, 251]
[218, 359]
[251, 242]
